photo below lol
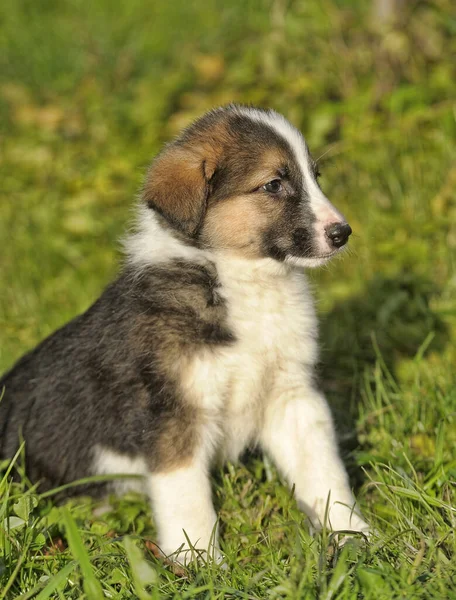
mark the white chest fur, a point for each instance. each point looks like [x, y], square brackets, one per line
[270, 312]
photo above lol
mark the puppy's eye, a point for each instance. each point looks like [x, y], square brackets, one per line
[273, 187]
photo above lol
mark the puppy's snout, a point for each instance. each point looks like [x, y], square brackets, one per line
[338, 234]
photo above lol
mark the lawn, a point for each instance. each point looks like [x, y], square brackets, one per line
[89, 91]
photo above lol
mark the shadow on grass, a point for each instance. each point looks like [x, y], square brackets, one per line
[393, 313]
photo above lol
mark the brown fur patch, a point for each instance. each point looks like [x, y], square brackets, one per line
[239, 223]
[269, 161]
[177, 441]
[176, 187]
[177, 184]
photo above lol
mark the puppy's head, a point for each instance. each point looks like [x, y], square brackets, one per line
[242, 180]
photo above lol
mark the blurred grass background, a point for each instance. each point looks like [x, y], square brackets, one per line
[89, 91]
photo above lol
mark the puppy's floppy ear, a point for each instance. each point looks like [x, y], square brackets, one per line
[177, 186]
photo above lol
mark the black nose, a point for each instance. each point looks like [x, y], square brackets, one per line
[339, 233]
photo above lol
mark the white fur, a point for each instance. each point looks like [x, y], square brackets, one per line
[299, 435]
[257, 390]
[182, 504]
[272, 399]
[152, 243]
[300, 261]
[108, 462]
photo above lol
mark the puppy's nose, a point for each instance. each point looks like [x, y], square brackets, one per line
[338, 233]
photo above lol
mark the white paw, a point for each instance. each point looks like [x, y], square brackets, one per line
[344, 518]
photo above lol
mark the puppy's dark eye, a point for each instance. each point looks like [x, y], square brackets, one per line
[273, 187]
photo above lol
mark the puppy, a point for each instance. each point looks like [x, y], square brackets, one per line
[204, 345]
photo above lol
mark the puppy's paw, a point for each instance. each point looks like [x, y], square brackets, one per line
[355, 526]
[346, 519]
[344, 522]
[340, 538]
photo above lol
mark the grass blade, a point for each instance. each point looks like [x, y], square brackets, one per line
[56, 581]
[92, 586]
[142, 571]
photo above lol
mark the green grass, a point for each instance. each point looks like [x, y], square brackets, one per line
[88, 93]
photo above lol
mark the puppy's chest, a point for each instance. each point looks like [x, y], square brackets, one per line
[265, 321]
[273, 324]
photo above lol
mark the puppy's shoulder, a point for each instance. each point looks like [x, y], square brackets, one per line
[172, 281]
[178, 298]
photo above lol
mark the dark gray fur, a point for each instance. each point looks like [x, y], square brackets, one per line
[101, 379]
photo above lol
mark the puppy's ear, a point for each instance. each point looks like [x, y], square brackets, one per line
[177, 187]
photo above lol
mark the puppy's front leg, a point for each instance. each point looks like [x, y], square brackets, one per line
[299, 435]
[182, 506]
